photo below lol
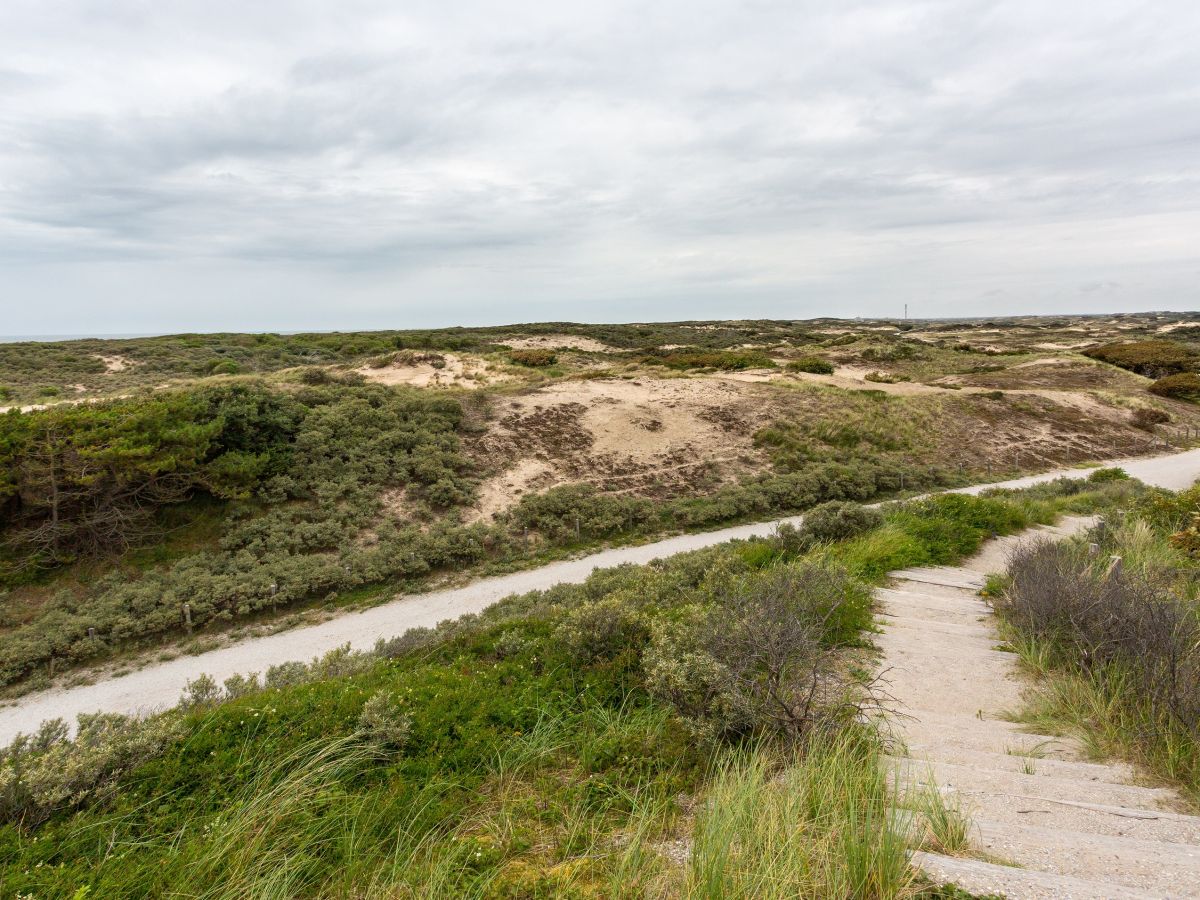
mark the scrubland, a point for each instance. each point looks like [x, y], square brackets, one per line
[216, 482]
[696, 727]
[658, 731]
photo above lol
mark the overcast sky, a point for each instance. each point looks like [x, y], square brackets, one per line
[219, 165]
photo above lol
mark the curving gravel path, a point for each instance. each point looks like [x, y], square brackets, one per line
[159, 685]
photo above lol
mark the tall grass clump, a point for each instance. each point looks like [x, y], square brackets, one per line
[817, 824]
[1115, 625]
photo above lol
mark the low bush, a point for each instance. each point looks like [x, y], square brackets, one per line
[533, 357]
[1146, 417]
[47, 772]
[894, 351]
[1184, 386]
[1153, 358]
[1129, 633]
[839, 520]
[1107, 474]
[727, 360]
[759, 657]
[814, 365]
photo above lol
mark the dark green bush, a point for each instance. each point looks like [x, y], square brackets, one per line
[814, 365]
[1154, 358]
[727, 360]
[1184, 386]
[534, 357]
[839, 520]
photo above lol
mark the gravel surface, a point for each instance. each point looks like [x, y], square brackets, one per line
[159, 685]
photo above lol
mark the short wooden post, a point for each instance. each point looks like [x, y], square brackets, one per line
[187, 616]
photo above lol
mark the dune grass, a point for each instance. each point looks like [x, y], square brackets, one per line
[521, 770]
[1110, 634]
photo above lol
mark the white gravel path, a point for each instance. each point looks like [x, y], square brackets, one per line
[159, 685]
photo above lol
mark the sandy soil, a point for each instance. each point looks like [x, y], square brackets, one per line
[116, 364]
[457, 371]
[557, 341]
[621, 435]
[1050, 345]
[159, 685]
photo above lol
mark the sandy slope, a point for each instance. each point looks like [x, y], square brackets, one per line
[160, 684]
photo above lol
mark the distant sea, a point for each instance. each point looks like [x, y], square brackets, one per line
[18, 338]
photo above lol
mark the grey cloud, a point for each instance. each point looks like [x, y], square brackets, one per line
[491, 163]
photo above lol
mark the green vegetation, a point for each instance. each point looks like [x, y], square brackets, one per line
[1184, 386]
[86, 480]
[726, 360]
[1153, 358]
[293, 487]
[814, 365]
[304, 475]
[1115, 631]
[533, 358]
[551, 746]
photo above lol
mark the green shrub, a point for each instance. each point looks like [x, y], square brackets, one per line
[758, 659]
[534, 357]
[579, 510]
[602, 630]
[46, 772]
[1110, 473]
[894, 352]
[315, 375]
[1184, 386]
[727, 360]
[223, 367]
[384, 722]
[814, 365]
[838, 520]
[1154, 358]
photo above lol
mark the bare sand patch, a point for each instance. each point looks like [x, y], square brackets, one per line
[498, 493]
[643, 435]
[558, 341]
[114, 364]
[1051, 345]
[432, 370]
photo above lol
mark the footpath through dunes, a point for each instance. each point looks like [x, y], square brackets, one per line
[159, 685]
[1050, 824]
